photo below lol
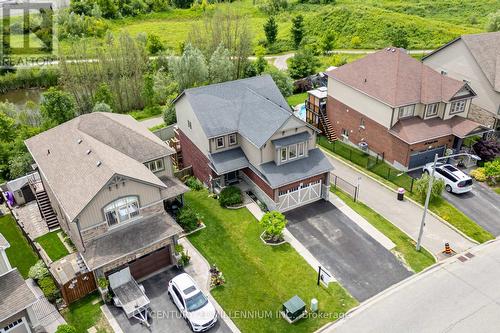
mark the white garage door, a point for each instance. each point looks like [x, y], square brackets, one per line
[299, 196]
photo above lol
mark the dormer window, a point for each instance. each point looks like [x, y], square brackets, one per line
[457, 107]
[284, 154]
[431, 110]
[292, 152]
[220, 142]
[407, 111]
[232, 139]
[156, 165]
[300, 148]
[122, 210]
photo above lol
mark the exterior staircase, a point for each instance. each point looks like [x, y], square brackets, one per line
[327, 125]
[43, 202]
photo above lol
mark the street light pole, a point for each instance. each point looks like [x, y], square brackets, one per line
[427, 199]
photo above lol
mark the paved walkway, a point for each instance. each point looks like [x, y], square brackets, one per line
[31, 220]
[152, 122]
[406, 215]
[459, 295]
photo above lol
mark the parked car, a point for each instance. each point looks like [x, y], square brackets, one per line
[194, 306]
[455, 180]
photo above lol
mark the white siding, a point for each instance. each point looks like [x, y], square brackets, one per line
[372, 108]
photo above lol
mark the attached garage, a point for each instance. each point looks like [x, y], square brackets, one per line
[421, 158]
[151, 263]
[299, 195]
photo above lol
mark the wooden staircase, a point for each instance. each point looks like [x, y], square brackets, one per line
[43, 202]
[327, 126]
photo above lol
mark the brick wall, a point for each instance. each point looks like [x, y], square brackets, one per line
[192, 156]
[376, 135]
[259, 182]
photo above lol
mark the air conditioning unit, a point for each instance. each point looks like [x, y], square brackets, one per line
[363, 146]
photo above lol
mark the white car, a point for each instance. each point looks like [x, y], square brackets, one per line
[455, 180]
[192, 303]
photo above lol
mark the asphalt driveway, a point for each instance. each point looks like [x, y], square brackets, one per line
[166, 317]
[481, 204]
[358, 262]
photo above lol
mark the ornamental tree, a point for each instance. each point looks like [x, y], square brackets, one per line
[274, 223]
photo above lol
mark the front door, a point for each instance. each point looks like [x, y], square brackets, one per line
[231, 177]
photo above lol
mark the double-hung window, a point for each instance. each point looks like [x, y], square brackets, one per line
[457, 107]
[122, 210]
[220, 142]
[431, 110]
[156, 165]
[292, 152]
[300, 149]
[407, 111]
[284, 154]
[232, 139]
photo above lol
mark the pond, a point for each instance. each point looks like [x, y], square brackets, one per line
[19, 97]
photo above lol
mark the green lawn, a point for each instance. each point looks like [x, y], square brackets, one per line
[82, 314]
[20, 253]
[405, 245]
[52, 245]
[146, 113]
[497, 189]
[296, 99]
[259, 277]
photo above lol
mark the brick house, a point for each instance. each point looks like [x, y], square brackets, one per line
[244, 131]
[392, 104]
[108, 180]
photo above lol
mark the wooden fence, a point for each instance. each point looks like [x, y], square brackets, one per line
[187, 171]
[78, 287]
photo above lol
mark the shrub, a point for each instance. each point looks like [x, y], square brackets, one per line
[49, 288]
[274, 223]
[103, 283]
[487, 150]
[422, 184]
[230, 196]
[492, 171]
[65, 328]
[303, 64]
[478, 174]
[194, 183]
[38, 271]
[188, 219]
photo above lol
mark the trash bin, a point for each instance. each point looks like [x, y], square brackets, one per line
[401, 194]
[314, 305]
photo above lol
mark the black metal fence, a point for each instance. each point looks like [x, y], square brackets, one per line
[346, 186]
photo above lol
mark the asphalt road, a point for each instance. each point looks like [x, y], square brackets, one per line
[455, 296]
[166, 317]
[357, 261]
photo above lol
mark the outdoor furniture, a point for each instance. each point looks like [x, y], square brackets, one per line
[294, 309]
[130, 296]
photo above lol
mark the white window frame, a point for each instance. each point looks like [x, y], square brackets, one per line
[345, 133]
[122, 203]
[156, 165]
[301, 149]
[460, 105]
[217, 142]
[285, 150]
[190, 126]
[362, 123]
[233, 140]
[435, 110]
[290, 157]
[403, 111]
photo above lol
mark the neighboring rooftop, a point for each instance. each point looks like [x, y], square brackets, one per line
[485, 48]
[4, 244]
[15, 295]
[253, 107]
[77, 164]
[395, 78]
[320, 92]
[415, 129]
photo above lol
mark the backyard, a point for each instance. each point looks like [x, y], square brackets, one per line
[86, 313]
[52, 245]
[259, 278]
[20, 253]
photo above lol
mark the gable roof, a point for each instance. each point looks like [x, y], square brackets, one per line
[485, 49]
[395, 78]
[76, 172]
[253, 107]
[15, 294]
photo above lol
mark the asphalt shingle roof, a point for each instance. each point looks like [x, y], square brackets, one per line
[290, 140]
[15, 295]
[229, 160]
[253, 107]
[4, 244]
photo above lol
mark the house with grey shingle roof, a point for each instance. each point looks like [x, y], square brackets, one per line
[109, 180]
[245, 131]
[391, 104]
[475, 59]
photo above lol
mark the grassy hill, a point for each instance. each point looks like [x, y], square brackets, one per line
[429, 23]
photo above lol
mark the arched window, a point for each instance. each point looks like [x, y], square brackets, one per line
[122, 210]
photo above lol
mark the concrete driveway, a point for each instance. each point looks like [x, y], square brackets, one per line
[357, 261]
[481, 204]
[166, 317]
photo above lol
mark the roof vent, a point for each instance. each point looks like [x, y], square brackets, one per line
[388, 49]
[393, 50]
[99, 163]
[79, 141]
[88, 151]
[48, 151]
[365, 79]
[443, 72]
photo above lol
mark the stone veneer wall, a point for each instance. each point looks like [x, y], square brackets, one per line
[481, 116]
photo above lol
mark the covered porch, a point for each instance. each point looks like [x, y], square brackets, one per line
[226, 167]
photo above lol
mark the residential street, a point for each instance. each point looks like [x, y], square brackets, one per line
[361, 264]
[406, 215]
[454, 296]
[151, 122]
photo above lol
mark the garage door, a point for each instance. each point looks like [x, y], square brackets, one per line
[299, 196]
[150, 263]
[423, 157]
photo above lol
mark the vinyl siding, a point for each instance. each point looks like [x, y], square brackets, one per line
[196, 134]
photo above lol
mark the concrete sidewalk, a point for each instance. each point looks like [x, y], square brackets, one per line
[406, 215]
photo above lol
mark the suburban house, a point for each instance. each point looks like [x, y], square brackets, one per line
[110, 183]
[474, 59]
[16, 297]
[245, 131]
[393, 105]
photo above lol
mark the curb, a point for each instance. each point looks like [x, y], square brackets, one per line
[407, 198]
